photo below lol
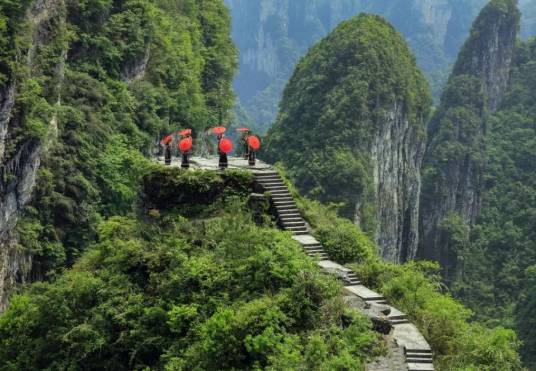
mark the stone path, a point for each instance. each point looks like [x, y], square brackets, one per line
[408, 350]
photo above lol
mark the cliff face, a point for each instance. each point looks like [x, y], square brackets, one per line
[355, 135]
[84, 90]
[396, 153]
[273, 34]
[455, 159]
[18, 168]
[489, 51]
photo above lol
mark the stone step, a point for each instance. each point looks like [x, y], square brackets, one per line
[365, 293]
[282, 198]
[312, 245]
[289, 215]
[282, 192]
[300, 233]
[319, 251]
[313, 248]
[276, 188]
[419, 360]
[319, 256]
[263, 173]
[267, 176]
[292, 219]
[420, 367]
[294, 225]
[296, 229]
[284, 203]
[286, 210]
[272, 183]
[420, 353]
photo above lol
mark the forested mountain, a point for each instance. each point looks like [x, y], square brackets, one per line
[84, 86]
[355, 135]
[272, 35]
[478, 179]
[476, 204]
[455, 163]
[111, 261]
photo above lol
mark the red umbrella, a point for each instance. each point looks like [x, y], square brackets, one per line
[185, 132]
[167, 140]
[219, 130]
[243, 130]
[225, 145]
[254, 143]
[185, 145]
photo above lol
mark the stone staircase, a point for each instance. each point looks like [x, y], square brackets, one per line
[417, 352]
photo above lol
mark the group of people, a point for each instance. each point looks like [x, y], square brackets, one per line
[250, 144]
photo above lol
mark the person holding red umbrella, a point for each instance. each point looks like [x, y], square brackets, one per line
[166, 142]
[224, 146]
[254, 144]
[185, 147]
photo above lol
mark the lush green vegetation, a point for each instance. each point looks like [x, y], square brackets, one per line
[344, 87]
[211, 291]
[417, 289]
[498, 277]
[134, 70]
[189, 287]
[480, 167]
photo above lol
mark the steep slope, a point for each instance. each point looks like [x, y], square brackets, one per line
[92, 84]
[456, 158]
[351, 129]
[31, 71]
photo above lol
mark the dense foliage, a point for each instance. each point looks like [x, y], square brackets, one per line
[498, 279]
[417, 289]
[480, 167]
[346, 85]
[215, 291]
[185, 287]
[134, 70]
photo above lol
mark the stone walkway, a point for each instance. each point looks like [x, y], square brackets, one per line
[408, 350]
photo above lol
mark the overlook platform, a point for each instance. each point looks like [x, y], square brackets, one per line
[211, 163]
[408, 349]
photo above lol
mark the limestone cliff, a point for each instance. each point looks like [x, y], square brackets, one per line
[455, 159]
[20, 151]
[351, 130]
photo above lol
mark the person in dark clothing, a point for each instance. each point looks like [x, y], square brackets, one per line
[167, 154]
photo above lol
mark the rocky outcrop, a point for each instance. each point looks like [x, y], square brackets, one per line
[18, 172]
[489, 51]
[455, 160]
[7, 99]
[397, 151]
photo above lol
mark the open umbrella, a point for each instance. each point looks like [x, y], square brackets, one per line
[218, 130]
[225, 145]
[254, 143]
[185, 145]
[167, 140]
[185, 132]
